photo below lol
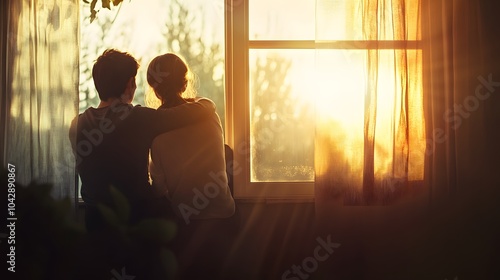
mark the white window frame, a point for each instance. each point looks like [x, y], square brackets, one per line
[238, 112]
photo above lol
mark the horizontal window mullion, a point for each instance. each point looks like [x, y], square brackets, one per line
[354, 45]
[281, 44]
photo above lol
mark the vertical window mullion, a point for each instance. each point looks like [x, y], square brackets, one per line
[240, 107]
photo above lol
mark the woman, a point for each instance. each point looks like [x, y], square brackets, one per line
[188, 165]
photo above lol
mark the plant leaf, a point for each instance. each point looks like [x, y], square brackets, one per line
[169, 262]
[93, 12]
[106, 4]
[155, 230]
[122, 206]
[109, 215]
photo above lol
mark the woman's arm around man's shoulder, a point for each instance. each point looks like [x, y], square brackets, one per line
[164, 120]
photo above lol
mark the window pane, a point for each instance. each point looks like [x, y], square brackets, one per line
[281, 19]
[338, 20]
[344, 20]
[340, 112]
[281, 116]
[294, 94]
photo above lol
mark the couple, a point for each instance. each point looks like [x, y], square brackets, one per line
[112, 144]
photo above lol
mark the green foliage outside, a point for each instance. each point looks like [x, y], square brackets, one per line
[282, 128]
[183, 36]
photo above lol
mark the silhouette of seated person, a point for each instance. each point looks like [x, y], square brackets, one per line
[188, 167]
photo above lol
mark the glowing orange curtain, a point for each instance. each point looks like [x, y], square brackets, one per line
[374, 151]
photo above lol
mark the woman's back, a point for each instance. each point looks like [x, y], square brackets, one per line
[188, 165]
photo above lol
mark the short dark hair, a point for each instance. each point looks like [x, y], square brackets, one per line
[111, 72]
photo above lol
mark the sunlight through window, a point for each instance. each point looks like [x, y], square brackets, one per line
[298, 88]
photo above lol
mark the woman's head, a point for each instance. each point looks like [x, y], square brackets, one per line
[170, 77]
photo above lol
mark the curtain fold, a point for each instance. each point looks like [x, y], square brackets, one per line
[379, 157]
[454, 106]
[454, 71]
[42, 91]
[428, 110]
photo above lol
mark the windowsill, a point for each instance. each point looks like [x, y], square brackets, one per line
[81, 203]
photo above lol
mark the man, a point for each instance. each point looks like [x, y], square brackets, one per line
[111, 142]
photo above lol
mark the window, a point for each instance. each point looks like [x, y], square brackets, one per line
[280, 57]
[267, 64]
[273, 129]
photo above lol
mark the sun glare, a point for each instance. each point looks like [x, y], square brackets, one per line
[339, 97]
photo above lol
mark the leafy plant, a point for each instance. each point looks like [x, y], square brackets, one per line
[51, 244]
[104, 4]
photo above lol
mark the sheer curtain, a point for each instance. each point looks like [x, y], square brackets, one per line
[458, 107]
[41, 91]
[370, 138]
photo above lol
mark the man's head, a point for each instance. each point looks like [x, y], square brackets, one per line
[114, 75]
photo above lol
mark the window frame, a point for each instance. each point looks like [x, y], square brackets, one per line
[238, 46]
[237, 112]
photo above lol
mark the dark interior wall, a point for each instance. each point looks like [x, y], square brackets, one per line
[491, 44]
[416, 240]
